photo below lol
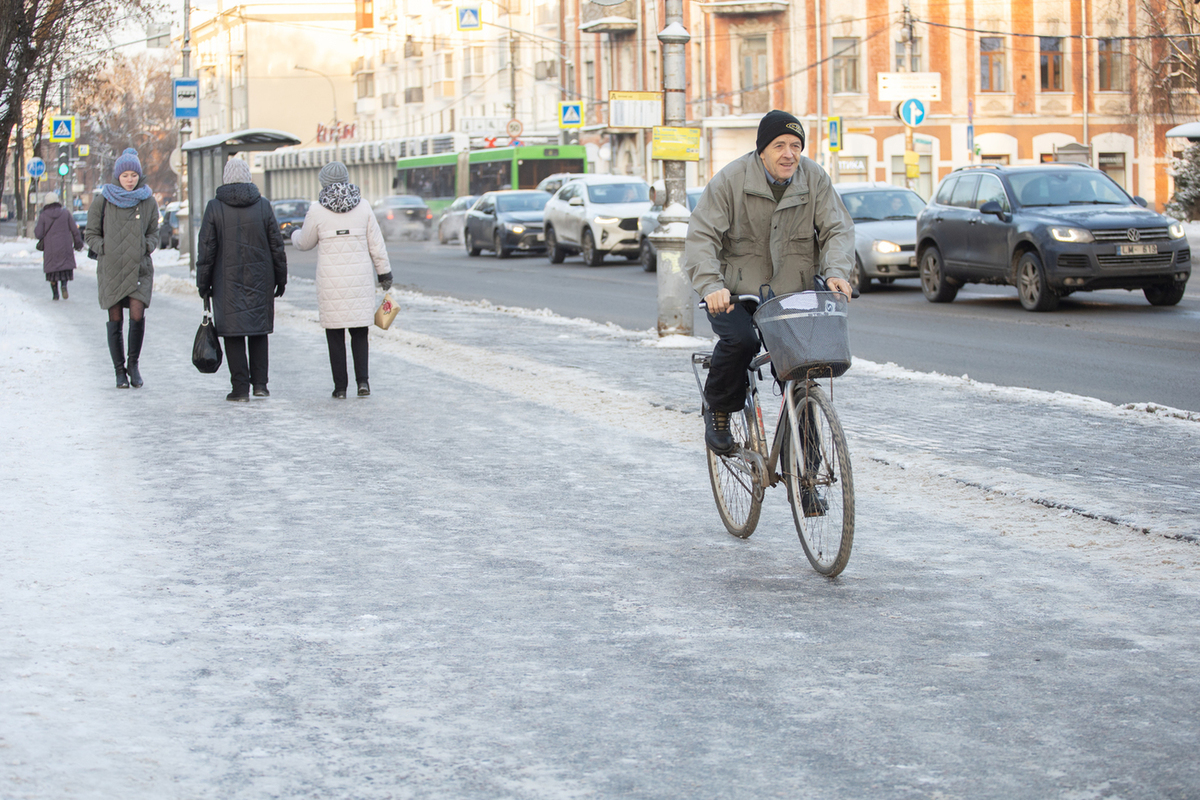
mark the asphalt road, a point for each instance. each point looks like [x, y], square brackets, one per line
[1110, 345]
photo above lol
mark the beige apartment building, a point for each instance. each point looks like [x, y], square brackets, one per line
[1022, 80]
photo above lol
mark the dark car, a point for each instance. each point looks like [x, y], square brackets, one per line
[168, 229]
[506, 221]
[289, 215]
[885, 231]
[404, 215]
[450, 223]
[649, 221]
[1050, 230]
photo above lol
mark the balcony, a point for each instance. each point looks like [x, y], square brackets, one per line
[618, 18]
[745, 7]
[412, 49]
[414, 95]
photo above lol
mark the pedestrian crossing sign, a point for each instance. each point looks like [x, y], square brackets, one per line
[570, 115]
[469, 18]
[63, 129]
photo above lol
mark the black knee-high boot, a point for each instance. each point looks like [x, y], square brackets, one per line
[54, 289]
[116, 348]
[137, 330]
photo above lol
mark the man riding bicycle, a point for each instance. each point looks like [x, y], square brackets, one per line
[770, 218]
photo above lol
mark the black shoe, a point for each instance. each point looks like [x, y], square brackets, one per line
[364, 389]
[122, 378]
[717, 436]
[339, 394]
[813, 504]
[261, 391]
[237, 397]
[135, 377]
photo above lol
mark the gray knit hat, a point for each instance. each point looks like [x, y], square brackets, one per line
[236, 171]
[333, 172]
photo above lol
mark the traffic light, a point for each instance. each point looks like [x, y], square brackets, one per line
[64, 159]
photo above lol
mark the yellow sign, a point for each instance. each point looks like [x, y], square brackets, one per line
[635, 109]
[912, 171]
[85, 150]
[63, 129]
[911, 158]
[675, 144]
[570, 115]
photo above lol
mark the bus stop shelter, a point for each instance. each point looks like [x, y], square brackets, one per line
[206, 159]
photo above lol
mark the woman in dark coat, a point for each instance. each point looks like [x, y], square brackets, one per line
[122, 230]
[242, 266]
[60, 237]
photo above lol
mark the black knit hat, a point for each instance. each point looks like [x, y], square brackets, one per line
[775, 124]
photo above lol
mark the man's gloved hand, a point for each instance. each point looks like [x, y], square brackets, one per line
[205, 292]
[279, 289]
[385, 281]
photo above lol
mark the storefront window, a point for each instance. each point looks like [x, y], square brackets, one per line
[1113, 165]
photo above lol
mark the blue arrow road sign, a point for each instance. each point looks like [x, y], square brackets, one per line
[36, 167]
[912, 112]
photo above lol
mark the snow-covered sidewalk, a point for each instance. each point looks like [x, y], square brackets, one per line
[502, 576]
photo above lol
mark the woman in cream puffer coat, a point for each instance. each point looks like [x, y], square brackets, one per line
[351, 252]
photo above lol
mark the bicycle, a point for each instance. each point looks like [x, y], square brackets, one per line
[809, 448]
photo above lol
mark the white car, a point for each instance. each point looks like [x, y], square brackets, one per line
[596, 215]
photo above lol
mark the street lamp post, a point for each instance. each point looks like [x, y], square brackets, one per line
[337, 126]
[675, 310]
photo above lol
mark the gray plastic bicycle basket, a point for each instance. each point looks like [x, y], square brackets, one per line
[806, 334]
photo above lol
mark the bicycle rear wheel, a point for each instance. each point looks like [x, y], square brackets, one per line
[739, 497]
[819, 481]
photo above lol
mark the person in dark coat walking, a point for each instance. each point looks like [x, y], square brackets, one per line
[242, 266]
[122, 230]
[60, 237]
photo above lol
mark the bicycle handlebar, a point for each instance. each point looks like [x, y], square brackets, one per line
[741, 298]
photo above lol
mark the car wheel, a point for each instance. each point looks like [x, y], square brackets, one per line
[933, 281]
[1035, 293]
[500, 250]
[859, 279]
[649, 258]
[587, 248]
[1165, 294]
[553, 251]
[469, 242]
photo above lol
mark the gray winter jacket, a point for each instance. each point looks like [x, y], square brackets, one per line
[739, 238]
[123, 239]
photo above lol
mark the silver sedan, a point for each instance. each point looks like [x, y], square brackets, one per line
[885, 231]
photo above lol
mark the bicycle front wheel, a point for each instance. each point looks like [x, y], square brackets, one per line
[739, 496]
[816, 466]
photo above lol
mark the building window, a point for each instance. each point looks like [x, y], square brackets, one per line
[845, 65]
[1113, 165]
[1110, 63]
[755, 91]
[366, 84]
[914, 64]
[991, 64]
[1051, 63]
[1181, 73]
[923, 184]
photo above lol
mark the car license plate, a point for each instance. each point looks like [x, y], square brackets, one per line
[912, 261]
[541, 237]
[1137, 249]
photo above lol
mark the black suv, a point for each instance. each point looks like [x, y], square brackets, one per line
[1050, 230]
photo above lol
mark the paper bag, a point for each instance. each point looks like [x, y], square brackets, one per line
[386, 312]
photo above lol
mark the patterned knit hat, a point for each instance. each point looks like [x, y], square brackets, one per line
[236, 171]
[127, 162]
[334, 172]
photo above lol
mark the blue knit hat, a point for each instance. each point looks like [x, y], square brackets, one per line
[126, 162]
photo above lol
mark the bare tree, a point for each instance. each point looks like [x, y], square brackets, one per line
[129, 103]
[1167, 58]
[35, 35]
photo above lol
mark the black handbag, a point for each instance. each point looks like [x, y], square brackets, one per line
[206, 350]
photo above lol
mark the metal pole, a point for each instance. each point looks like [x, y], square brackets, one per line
[905, 67]
[1086, 99]
[676, 311]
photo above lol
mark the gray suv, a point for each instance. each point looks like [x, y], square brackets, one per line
[1050, 230]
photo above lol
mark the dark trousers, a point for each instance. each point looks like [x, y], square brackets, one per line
[725, 389]
[241, 372]
[336, 338]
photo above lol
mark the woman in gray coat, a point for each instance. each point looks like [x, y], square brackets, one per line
[60, 237]
[122, 230]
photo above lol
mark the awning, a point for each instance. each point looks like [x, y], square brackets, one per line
[1188, 130]
[244, 141]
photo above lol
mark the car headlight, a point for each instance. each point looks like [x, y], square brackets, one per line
[884, 246]
[606, 220]
[1176, 230]
[518, 229]
[1077, 235]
